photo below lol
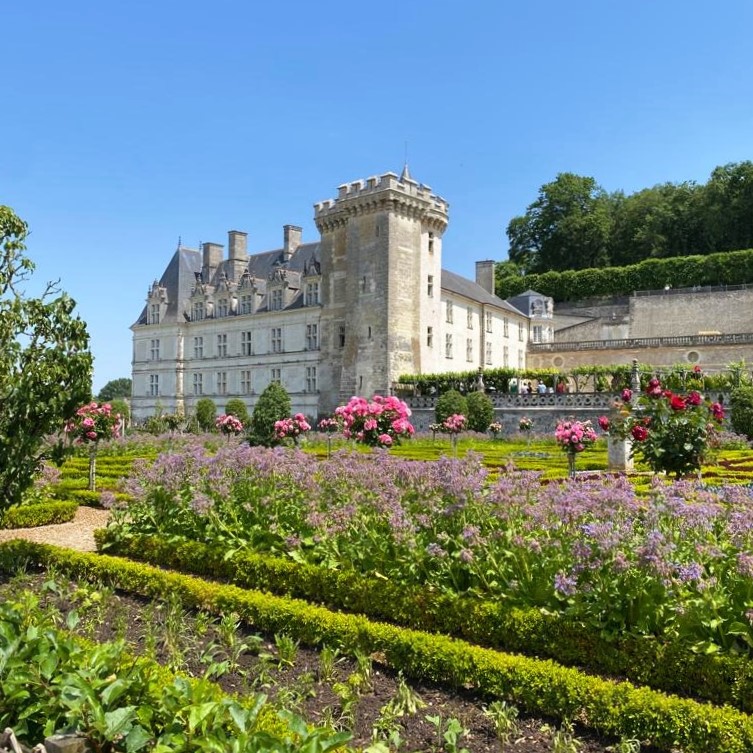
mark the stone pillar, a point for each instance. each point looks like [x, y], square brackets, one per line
[618, 454]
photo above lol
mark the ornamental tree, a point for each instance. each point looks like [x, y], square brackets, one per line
[45, 364]
[273, 405]
[480, 411]
[381, 422]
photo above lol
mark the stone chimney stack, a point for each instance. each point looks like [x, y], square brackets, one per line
[485, 275]
[212, 258]
[292, 239]
[237, 242]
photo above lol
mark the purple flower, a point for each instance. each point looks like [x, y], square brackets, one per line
[565, 585]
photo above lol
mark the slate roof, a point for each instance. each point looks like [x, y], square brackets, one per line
[454, 283]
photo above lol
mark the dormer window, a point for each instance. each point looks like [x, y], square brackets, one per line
[312, 294]
[222, 307]
[275, 299]
[197, 311]
[154, 313]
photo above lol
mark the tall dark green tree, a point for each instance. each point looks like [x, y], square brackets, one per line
[114, 389]
[273, 405]
[567, 227]
[45, 363]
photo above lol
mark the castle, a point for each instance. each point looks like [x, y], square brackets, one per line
[344, 315]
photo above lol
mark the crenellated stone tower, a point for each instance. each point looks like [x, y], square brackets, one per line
[381, 264]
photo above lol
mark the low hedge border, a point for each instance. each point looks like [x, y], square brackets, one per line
[671, 667]
[42, 514]
[538, 686]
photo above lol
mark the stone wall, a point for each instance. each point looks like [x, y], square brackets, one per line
[544, 410]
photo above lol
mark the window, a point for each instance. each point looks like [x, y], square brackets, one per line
[312, 336]
[368, 334]
[520, 331]
[311, 379]
[198, 384]
[276, 340]
[505, 327]
[275, 299]
[506, 356]
[222, 307]
[431, 243]
[448, 346]
[246, 344]
[341, 336]
[246, 382]
[276, 375]
[198, 347]
[222, 382]
[154, 313]
[449, 312]
[154, 350]
[469, 349]
[154, 385]
[520, 359]
[197, 312]
[312, 294]
[538, 332]
[221, 346]
[246, 307]
[430, 337]
[469, 317]
[430, 286]
[488, 321]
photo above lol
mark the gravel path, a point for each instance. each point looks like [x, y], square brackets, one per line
[78, 534]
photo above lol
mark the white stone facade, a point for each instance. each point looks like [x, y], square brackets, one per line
[346, 315]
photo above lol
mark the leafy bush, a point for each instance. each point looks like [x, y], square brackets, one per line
[480, 411]
[272, 406]
[206, 412]
[448, 404]
[237, 407]
[43, 514]
[741, 410]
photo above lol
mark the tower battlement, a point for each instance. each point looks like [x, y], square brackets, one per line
[362, 196]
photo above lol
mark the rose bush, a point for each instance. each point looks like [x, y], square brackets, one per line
[381, 422]
[229, 425]
[671, 432]
[292, 428]
[93, 422]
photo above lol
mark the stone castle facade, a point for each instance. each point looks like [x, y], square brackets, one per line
[344, 315]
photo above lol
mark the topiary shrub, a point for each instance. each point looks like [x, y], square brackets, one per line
[273, 405]
[450, 403]
[741, 410]
[206, 413]
[480, 411]
[236, 407]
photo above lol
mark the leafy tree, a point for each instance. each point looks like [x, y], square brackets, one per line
[480, 411]
[741, 410]
[448, 404]
[567, 227]
[115, 388]
[206, 413]
[45, 364]
[273, 405]
[121, 406]
[236, 407]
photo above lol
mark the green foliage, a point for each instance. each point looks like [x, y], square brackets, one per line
[538, 687]
[121, 406]
[667, 665]
[114, 389]
[741, 410]
[727, 268]
[41, 514]
[273, 405]
[236, 407]
[450, 403]
[206, 413]
[480, 411]
[45, 364]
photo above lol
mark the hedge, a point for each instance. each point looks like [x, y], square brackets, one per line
[540, 687]
[42, 514]
[724, 268]
[667, 666]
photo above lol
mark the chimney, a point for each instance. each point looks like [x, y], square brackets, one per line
[212, 258]
[485, 275]
[237, 242]
[292, 239]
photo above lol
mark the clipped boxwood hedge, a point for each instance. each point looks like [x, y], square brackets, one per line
[667, 666]
[538, 686]
[42, 514]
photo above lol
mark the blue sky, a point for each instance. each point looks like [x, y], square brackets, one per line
[127, 125]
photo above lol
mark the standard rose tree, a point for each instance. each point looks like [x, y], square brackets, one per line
[381, 422]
